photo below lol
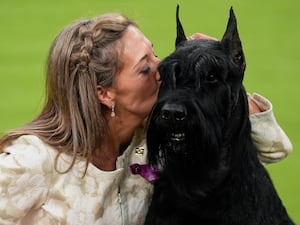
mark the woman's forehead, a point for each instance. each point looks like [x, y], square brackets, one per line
[135, 46]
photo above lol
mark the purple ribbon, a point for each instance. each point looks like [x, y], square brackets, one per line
[144, 170]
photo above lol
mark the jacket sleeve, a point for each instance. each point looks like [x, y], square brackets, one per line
[24, 179]
[271, 141]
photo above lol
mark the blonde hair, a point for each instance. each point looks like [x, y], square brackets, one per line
[82, 56]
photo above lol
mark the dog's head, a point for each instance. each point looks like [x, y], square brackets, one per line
[201, 101]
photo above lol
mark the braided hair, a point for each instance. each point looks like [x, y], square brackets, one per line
[82, 56]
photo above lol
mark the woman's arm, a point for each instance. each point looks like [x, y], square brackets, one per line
[271, 141]
[25, 173]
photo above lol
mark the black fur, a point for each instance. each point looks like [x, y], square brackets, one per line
[199, 137]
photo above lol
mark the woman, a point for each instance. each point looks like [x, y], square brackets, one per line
[70, 165]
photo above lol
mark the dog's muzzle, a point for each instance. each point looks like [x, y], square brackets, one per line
[172, 114]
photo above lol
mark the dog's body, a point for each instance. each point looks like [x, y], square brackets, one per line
[199, 137]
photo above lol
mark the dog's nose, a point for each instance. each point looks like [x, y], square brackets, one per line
[175, 112]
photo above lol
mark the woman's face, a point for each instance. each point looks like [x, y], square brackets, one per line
[136, 85]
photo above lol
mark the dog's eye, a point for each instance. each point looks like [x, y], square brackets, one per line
[211, 78]
[238, 58]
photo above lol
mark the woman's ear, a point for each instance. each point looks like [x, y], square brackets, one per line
[106, 96]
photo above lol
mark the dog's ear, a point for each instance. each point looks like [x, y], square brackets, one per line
[180, 32]
[232, 43]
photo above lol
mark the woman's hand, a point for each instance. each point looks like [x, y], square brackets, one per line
[253, 107]
[200, 36]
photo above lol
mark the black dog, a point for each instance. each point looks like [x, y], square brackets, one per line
[199, 137]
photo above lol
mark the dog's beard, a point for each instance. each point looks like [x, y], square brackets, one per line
[188, 151]
[195, 148]
[175, 142]
[171, 141]
[166, 141]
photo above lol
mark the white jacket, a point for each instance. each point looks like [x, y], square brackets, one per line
[32, 192]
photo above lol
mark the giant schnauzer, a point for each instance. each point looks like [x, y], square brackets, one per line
[199, 138]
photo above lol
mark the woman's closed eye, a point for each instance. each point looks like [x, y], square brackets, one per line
[146, 70]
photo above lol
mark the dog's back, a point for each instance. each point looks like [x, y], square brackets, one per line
[199, 135]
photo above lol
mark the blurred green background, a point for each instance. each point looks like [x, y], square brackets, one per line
[269, 29]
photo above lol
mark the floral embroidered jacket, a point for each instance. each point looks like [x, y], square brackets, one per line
[32, 192]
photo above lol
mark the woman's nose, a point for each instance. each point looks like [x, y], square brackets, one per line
[157, 76]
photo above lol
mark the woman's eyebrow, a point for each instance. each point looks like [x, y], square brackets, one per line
[141, 59]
